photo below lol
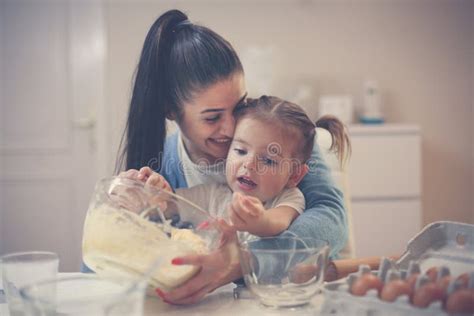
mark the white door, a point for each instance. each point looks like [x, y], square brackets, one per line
[51, 90]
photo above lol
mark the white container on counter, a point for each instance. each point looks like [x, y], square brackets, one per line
[372, 108]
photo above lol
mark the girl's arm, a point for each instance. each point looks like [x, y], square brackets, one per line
[278, 220]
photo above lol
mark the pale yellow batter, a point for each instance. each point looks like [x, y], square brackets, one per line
[119, 242]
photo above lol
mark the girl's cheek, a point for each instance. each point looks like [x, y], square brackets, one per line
[231, 166]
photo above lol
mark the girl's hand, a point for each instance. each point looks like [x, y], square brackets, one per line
[216, 269]
[246, 213]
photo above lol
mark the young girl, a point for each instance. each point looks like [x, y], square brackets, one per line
[268, 157]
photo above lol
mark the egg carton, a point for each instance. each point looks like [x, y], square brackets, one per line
[441, 249]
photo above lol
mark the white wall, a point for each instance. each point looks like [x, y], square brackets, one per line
[472, 113]
[2, 206]
[420, 52]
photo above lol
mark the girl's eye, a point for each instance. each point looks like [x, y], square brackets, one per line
[212, 119]
[268, 161]
[239, 151]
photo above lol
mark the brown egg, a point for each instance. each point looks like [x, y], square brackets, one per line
[393, 289]
[412, 280]
[366, 282]
[428, 293]
[461, 301]
[432, 273]
[444, 282]
[463, 279]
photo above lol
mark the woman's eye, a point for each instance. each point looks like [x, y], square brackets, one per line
[212, 119]
[239, 151]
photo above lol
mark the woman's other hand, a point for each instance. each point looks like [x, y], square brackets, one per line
[131, 174]
[148, 176]
[157, 181]
[154, 179]
[144, 173]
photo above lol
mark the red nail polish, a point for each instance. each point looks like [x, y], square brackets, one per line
[177, 261]
[160, 293]
[203, 225]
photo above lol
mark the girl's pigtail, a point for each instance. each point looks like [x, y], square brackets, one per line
[341, 144]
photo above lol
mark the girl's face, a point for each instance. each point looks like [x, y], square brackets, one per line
[260, 161]
[207, 122]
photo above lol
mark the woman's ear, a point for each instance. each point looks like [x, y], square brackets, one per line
[171, 115]
[297, 175]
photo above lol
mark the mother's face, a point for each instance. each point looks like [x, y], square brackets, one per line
[207, 122]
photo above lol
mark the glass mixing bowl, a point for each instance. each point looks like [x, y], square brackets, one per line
[130, 225]
[283, 271]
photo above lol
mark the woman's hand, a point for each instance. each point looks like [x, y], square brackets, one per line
[216, 269]
[134, 199]
[154, 179]
[131, 174]
[149, 177]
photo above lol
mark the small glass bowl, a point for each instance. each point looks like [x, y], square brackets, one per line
[86, 294]
[284, 271]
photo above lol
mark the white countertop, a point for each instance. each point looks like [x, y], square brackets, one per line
[220, 302]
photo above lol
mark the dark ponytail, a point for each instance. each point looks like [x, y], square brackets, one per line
[178, 59]
[341, 144]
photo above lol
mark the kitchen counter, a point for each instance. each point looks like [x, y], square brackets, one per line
[220, 302]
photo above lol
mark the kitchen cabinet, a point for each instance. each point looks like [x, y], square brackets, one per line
[385, 184]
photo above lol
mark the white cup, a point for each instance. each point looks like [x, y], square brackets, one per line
[24, 268]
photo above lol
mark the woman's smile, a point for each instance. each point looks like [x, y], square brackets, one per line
[221, 141]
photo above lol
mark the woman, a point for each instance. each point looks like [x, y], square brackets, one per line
[189, 74]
